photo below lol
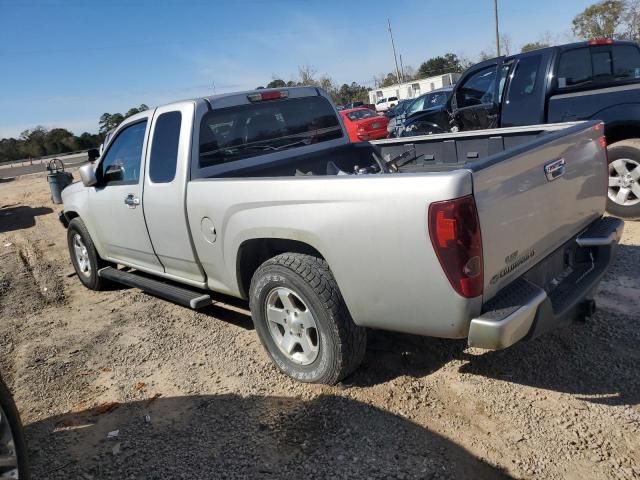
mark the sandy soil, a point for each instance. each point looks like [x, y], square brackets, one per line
[193, 395]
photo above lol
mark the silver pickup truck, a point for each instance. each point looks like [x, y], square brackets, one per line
[495, 236]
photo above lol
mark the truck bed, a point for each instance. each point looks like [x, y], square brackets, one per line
[425, 153]
[449, 151]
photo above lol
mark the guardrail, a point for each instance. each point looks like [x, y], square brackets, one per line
[39, 161]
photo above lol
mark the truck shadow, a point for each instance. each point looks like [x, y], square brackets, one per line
[597, 361]
[232, 436]
[19, 217]
[390, 355]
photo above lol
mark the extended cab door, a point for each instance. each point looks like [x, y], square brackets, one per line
[116, 201]
[165, 191]
[476, 99]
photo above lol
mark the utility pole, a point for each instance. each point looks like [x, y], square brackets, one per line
[495, 10]
[401, 68]
[393, 46]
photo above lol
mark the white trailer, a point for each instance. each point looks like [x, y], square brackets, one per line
[413, 89]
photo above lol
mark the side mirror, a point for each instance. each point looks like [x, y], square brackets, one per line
[114, 173]
[88, 175]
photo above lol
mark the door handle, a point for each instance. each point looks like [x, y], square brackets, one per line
[131, 200]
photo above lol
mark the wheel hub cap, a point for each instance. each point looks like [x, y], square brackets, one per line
[82, 255]
[292, 326]
[624, 182]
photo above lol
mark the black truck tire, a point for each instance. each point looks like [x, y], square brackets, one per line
[294, 287]
[84, 255]
[11, 430]
[623, 198]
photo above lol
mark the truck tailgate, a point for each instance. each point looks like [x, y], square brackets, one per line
[536, 197]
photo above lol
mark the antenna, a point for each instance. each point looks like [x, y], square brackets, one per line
[393, 46]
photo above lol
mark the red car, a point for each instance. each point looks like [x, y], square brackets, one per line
[364, 124]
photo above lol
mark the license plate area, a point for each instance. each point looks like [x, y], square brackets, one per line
[551, 272]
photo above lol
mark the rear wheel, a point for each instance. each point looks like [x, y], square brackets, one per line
[624, 179]
[13, 449]
[302, 320]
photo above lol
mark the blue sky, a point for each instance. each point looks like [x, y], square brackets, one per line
[65, 62]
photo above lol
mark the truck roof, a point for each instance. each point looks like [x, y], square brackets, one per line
[241, 98]
[566, 46]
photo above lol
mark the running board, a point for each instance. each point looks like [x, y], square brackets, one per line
[181, 295]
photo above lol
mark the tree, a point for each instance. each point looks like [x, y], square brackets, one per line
[527, 47]
[60, 140]
[448, 63]
[600, 20]
[352, 93]
[33, 142]
[388, 80]
[505, 44]
[276, 83]
[632, 14]
[109, 121]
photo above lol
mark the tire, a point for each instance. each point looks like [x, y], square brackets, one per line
[11, 429]
[315, 298]
[623, 196]
[87, 267]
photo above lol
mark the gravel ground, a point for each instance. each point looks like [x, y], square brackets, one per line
[193, 395]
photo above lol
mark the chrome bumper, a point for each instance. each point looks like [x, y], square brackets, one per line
[525, 310]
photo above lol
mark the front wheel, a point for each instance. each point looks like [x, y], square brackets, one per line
[13, 449]
[84, 255]
[623, 196]
[302, 320]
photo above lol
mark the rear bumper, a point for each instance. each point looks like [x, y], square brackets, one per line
[528, 307]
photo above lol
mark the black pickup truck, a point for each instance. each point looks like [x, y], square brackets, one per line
[598, 79]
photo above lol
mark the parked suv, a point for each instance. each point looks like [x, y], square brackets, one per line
[385, 104]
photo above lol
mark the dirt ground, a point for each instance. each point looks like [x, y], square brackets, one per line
[192, 394]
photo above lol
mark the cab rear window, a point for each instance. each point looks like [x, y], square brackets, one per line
[599, 64]
[245, 131]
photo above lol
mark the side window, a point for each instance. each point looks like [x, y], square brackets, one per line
[477, 89]
[121, 163]
[164, 148]
[574, 68]
[524, 78]
[417, 105]
[626, 62]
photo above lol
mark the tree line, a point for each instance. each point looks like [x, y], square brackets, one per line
[40, 142]
[617, 19]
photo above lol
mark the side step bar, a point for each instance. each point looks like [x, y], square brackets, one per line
[181, 295]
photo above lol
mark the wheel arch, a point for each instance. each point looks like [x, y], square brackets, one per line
[68, 216]
[254, 252]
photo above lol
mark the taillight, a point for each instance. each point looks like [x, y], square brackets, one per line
[271, 95]
[601, 41]
[454, 229]
[602, 143]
